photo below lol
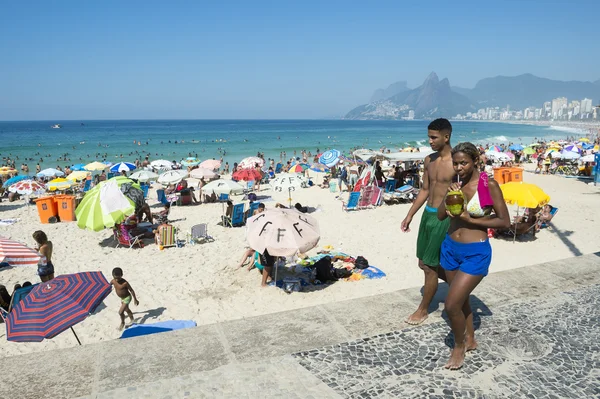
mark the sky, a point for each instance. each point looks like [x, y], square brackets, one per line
[270, 60]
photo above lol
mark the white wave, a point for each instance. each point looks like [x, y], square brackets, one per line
[568, 129]
[500, 138]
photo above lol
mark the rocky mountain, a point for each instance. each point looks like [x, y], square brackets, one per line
[433, 98]
[392, 90]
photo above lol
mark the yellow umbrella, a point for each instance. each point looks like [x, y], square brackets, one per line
[7, 171]
[585, 140]
[95, 166]
[78, 175]
[60, 184]
[596, 148]
[524, 194]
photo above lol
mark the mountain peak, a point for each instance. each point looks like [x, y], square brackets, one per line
[432, 78]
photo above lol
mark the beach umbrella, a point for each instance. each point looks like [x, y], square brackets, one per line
[122, 166]
[495, 148]
[162, 164]
[60, 184]
[250, 162]
[524, 194]
[143, 175]
[497, 156]
[16, 254]
[103, 206]
[247, 175]
[330, 158]
[78, 175]
[572, 148]
[510, 155]
[78, 167]
[190, 161]
[210, 164]
[569, 155]
[319, 167]
[516, 147]
[282, 232]
[15, 179]
[587, 146]
[298, 167]
[199, 173]
[50, 172]
[95, 166]
[288, 183]
[56, 305]
[27, 187]
[550, 151]
[171, 177]
[5, 170]
[588, 158]
[584, 140]
[529, 151]
[222, 186]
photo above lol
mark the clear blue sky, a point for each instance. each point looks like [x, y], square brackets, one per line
[280, 59]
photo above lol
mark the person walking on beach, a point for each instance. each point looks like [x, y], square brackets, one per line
[466, 252]
[125, 292]
[437, 176]
[44, 247]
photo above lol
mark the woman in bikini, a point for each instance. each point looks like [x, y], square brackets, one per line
[466, 253]
[44, 247]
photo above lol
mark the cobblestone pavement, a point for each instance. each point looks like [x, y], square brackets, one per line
[545, 349]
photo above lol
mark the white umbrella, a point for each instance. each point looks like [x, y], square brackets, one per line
[143, 175]
[569, 155]
[172, 177]
[122, 166]
[250, 162]
[223, 186]
[282, 232]
[498, 156]
[113, 200]
[27, 187]
[50, 172]
[588, 158]
[287, 182]
[162, 164]
[203, 172]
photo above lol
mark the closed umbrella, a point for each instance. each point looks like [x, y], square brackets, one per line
[60, 184]
[330, 158]
[122, 166]
[27, 187]
[171, 177]
[56, 305]
[50, 172]
[15, 179]
[103, 206]
[222, 186]
[16, 254]
[250, 162]
[95, 166]
[143, 175]
[282, 232]
[210, 164]
[199, 173]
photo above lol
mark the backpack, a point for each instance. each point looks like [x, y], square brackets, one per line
[324, 268]
[344, 174]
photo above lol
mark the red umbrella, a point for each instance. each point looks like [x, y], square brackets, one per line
[247, 175]
[17, 254]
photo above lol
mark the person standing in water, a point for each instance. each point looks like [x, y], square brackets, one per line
[466, 252]
[436, 180]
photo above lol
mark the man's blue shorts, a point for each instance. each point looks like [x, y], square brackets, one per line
[471, 258]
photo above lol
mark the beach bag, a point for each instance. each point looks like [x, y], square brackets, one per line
[323, 269]
[252, 197]
[361, 263]
[342, 273]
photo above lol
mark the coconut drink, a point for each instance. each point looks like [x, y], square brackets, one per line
[455, 202]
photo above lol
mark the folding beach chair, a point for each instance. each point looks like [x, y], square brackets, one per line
[390, 185]
[553, 213]
[199, 233]
[123, 238]
[237, 216]
[163, 199]
[352, 203]
[145, 189]
[278, 167]
[223, 197]
[87, 185]
[253, 206]
[166, 235]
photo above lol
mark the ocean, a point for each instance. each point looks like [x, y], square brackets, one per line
[125, 140]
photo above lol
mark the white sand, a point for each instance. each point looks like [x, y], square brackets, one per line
[202, 283]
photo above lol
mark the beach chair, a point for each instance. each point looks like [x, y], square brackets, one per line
[87, 186]
[237, 216]
[553, 213]
[123, 238]
[253, 206]
[198, 233]
[163, 199]
[370, 196]
[166, 236]
[249, 186]
[352, 203]
[390, 185]
[278, 167]
[145, 189]
[223, 197]
[332, 187]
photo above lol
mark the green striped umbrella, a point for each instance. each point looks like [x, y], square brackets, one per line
[104, 206]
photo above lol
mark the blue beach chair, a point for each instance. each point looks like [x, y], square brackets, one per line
[352, 203]
[87, 185]
[278, 167]
[145, 189]
[223, 197]
[253, 206]
[553, 213]
[390, 185]
[237, 216]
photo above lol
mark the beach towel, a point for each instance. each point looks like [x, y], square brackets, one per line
[483, 190]
[8, 222]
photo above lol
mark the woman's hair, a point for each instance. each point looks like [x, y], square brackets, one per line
[40, 237]
[469, 149]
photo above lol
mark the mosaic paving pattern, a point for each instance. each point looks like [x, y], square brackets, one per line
[545, 349]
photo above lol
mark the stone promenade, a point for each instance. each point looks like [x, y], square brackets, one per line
[538, 331]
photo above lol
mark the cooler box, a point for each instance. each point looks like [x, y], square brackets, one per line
[502, 175]
[66, 208]
[47, 209]
[516, 174]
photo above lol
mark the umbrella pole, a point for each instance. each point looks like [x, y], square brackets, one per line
[76, 337]
[290, 196]
[516, 226]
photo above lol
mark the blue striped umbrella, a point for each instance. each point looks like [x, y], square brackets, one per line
[14, 180]
[330, 158]
[52, 307]
[122, 166]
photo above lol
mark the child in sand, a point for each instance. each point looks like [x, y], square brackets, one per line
[125, 292]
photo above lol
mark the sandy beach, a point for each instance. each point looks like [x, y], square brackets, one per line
[202, 282]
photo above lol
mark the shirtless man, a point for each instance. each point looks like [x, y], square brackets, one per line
[125, 292]
[437, 177]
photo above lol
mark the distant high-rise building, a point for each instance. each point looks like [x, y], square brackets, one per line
[586, 106]
[557, 107]
[411, 114]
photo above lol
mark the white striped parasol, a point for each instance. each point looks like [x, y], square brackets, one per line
[17, 254]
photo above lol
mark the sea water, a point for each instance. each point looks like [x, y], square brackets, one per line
[127, 140]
